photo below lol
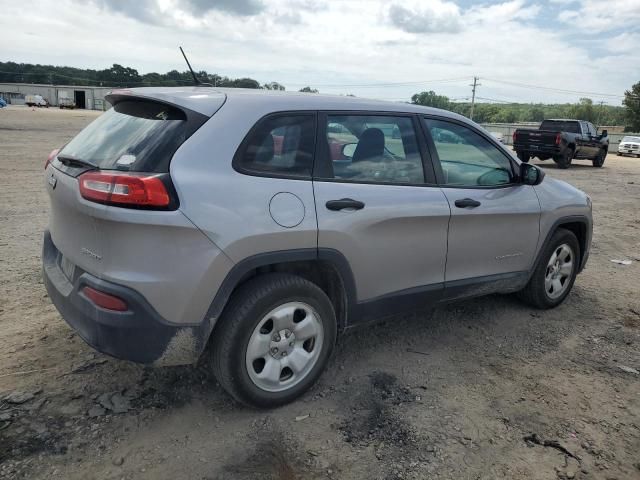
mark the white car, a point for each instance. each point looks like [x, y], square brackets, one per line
[498, 136]
[36, 101]
[629, 145]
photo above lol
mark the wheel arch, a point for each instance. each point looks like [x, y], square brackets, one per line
[327, 268]
[579, 226]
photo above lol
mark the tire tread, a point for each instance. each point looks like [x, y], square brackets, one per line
[533, 293]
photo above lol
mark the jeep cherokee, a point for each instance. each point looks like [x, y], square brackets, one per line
[250, 228]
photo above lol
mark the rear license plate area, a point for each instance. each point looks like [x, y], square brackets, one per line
[67, 267]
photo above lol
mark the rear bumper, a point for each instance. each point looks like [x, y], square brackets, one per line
[139, 334]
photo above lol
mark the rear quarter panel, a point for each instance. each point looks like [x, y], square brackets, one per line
[231, 208]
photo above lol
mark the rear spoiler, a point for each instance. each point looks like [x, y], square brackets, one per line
[205, 103]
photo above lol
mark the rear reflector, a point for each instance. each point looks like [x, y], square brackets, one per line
[124, 189]
[558, 138]
[105, 300]
[51, 156]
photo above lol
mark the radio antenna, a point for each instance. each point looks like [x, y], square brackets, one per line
[196, 81]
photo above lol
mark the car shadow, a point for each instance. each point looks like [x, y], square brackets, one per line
[553, 166]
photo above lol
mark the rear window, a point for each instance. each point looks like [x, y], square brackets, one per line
[137, 136]
[560, 126]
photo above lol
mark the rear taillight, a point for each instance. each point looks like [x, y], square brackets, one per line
[558, 138]
[51, 156]
[125, 189]
[515, 136]
[105, 300]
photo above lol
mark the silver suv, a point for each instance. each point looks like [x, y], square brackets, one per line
[249, 228]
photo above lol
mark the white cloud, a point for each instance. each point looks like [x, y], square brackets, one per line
[562, 2]
[423, 17]
[626, 42]
[351, 42]
[598, 16]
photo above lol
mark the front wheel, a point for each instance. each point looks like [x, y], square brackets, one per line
[274, 340]
[555, 272]
[599, 160]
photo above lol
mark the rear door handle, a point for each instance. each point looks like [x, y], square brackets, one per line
[467, 202]
[344, 203]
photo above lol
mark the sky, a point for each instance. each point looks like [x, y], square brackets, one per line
[386, 49]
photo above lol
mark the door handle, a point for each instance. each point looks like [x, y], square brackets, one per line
[344, 203]
[467, 202]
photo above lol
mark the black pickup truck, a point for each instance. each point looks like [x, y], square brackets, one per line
[562, 140]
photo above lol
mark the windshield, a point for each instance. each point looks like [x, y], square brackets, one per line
[631, 139]
[137, 136]
[561, 126]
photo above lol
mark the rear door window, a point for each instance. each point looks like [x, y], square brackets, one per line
[137, 136]
[279, 145]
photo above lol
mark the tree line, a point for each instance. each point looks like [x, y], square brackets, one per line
[120, 76]
[585, 109]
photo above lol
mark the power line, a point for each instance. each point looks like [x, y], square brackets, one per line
[497, 100]
[553, 89]
[390, 84]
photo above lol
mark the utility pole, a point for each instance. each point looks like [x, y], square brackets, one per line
[473, 94]
[600, 112]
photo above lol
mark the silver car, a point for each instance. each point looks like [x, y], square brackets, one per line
[249, 228]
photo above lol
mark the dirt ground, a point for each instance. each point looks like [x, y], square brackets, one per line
[483, 389]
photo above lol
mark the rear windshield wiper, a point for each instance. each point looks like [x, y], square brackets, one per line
[76, 162]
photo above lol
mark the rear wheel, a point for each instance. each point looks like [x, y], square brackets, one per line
[555, 272]
[523, 156]
[274, 340]
[564, 160]
[599, 160]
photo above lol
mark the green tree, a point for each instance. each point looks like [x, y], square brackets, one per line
[431, 99]
[273, 86]
[631, 104]
[244, 83]
[535, 114]
[584, 110]
[309, 90]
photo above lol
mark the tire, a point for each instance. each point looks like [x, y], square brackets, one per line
[257, 311]
[544, 157]
[564, 161]
[536, 293]
[524, 156]
[599, 160]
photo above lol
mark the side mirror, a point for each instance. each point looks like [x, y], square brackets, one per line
[530, 174]
[348, 149]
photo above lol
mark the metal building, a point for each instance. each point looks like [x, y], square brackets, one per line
[90, 98]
